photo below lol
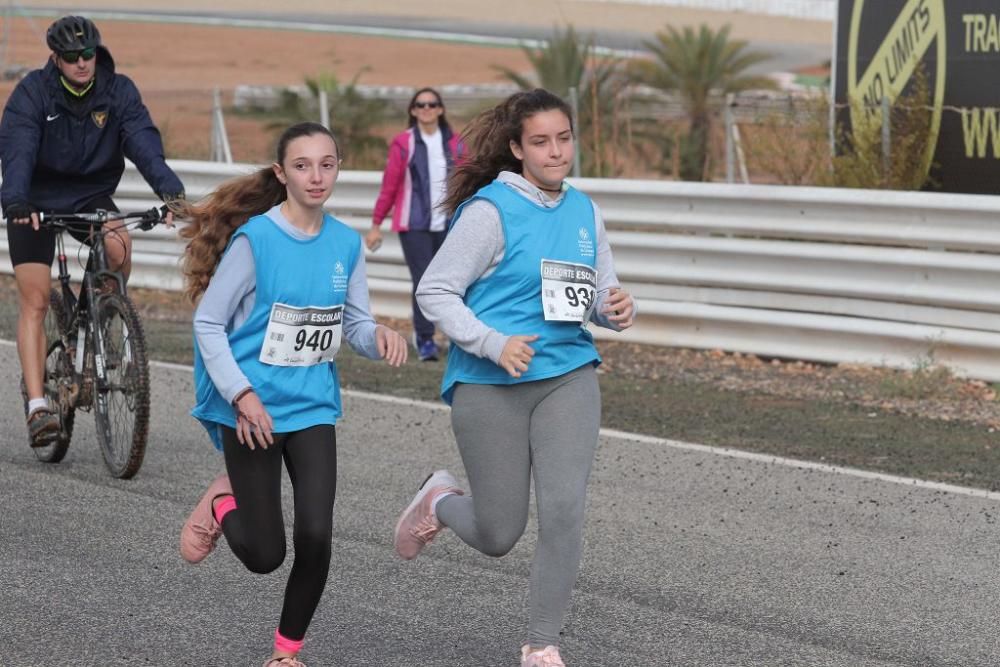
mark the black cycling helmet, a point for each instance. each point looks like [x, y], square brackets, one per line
[72, 33]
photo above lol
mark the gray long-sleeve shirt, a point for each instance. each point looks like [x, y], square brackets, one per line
[230, 297]
[473, 249]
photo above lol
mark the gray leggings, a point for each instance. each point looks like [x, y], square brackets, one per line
[507, 434]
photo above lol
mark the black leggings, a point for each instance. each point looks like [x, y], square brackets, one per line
[255, 530]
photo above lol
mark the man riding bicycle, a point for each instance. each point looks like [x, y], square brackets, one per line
[64, 136]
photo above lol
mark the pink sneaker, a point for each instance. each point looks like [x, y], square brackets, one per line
[418, 525]
[201, 530]
[284, 662]
[547, 657]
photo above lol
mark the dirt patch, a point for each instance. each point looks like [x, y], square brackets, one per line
[166, 57]
[178, 75]
[925, 390]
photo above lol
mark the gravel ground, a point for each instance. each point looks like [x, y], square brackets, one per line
[925, 390]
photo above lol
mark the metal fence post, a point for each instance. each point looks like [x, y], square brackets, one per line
[741, 158]
[221, 151]
[324, 108]
[832, 120]
[886, 138]
[8, 16]
[574, 103]
[730, 149]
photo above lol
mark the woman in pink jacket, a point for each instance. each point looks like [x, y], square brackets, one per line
[413, 185]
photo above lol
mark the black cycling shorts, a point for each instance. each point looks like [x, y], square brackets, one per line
[39, 247]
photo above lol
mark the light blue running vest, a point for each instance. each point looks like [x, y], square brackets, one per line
[510, 299]
[309, 272]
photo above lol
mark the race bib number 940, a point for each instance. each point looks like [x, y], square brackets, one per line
[302, 336]
[568, 291]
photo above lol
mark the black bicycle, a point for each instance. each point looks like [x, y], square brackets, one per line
[96, 350]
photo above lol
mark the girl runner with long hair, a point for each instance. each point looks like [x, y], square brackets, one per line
[279, 281]
[525, 268]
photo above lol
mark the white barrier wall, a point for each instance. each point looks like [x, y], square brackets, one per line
[809, 273]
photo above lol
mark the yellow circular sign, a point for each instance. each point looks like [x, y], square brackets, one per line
[920, 24]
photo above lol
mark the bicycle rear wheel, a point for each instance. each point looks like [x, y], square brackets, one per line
[120, 385]
[58, 377]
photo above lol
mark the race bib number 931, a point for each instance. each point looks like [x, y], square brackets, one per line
[302, 336]
[568, 291]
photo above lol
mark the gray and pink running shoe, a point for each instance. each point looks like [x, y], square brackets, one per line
[284, 662]
[418, 525]
[201, 530]
[547, 657]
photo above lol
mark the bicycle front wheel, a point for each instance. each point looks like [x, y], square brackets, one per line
[121, 385]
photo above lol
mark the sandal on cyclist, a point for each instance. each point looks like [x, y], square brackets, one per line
[43, 427]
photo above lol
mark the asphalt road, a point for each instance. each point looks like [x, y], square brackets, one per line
[692, 559]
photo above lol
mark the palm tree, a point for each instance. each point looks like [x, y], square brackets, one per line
[354, 118]
[700, 68]
[569, 61]
[559, 65]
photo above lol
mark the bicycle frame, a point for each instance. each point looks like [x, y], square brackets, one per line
[79, 309]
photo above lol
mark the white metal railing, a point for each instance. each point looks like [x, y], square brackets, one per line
[812, 273]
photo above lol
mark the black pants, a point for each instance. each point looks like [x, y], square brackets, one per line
[419, 248]
[255, 530]
[29, 246]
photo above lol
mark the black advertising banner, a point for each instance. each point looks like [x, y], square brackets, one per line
[881, 44]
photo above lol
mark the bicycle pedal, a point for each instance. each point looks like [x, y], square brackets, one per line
[46, 438]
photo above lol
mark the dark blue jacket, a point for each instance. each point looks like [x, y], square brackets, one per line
[58, 158]
[420, 176]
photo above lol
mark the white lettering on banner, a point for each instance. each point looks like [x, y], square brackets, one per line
[302, 336]
[982, 33]
[981, 132]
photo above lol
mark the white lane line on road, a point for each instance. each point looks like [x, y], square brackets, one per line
[684, 446]
[804, 465]
[704, 449]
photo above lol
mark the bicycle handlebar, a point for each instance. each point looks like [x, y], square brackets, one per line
[147, 219]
